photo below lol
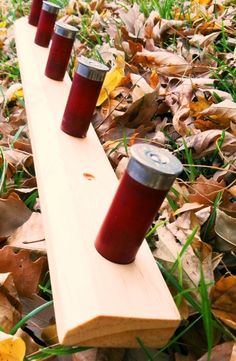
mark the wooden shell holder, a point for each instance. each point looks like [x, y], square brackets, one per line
[97, 302]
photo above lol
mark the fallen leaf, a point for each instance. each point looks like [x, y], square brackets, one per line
[204, 40]
[141, 87]
[14, 91]
[12, 348]
[168, 63]
[133, 20]
[154, 79]
[26, 272]
[203, 214]
[13, 213]
[142, 111]
[204, 191]
[220, 114]
[221, 352]
[134, 47]
[223, 300]
[179, 120]
[225, 226]
[232, 190]
[214, 92]
[188, 207]
[199, 105]
[10, 307]
[168, 248]
[112, 79]
[204, 143]
[166, 26]
[30, 235]
[40, 320]
[17, 157]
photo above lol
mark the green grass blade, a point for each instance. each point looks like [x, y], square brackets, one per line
[211, 220]
[3, 172]
[154, 228]
[176, 284]
[184, 248]
[206, 314]
[30, 315]
[177, 337]
[55, 350]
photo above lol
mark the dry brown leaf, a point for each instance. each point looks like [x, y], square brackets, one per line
[204, 142]
[179, 119]
[24, 146]
[10, 307]
[141, 87]
[203, 214]
[220, 114]
[26, 273]
[17, 157]
[168, 63]
[188, 207]
[204, 40]
[165, 26]
[199, 105]
[133, 20]
[13, 213]
[30, 235]
[39, 320]
[142, 111]
[159, 58]
[154, 79]
[204, 191]
[232, 191]
[225, 226]
[212, 91]
[170, 242]
[220, 352]
[134, 47]
[223, 300]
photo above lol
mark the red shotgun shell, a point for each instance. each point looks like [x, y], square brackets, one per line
[46, 23]
[149, 175]
[84, 92]
[35, 10]
[59, 54]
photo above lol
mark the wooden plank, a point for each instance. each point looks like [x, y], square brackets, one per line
[97, 302]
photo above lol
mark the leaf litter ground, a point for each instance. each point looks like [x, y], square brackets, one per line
[171, 83]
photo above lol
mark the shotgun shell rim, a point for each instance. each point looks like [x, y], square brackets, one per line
[91, 69]
[153, 167]
[50, 7]
[65, 30]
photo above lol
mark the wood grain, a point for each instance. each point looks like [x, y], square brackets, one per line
[97, 302]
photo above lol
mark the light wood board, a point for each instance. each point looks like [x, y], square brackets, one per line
[97, 302]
